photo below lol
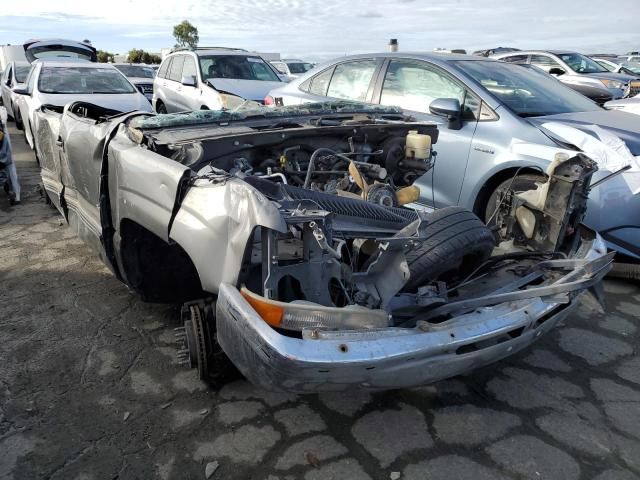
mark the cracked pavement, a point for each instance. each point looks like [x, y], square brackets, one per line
[90, 389]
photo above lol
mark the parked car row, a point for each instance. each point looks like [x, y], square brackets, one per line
[57, 72]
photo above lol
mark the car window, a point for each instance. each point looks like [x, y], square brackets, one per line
[632, 67]
[175, 71]
[137, 71]
[544, 62]
[413, 85]
[351, 80]
[21, 72]
[162, 73]
[606, 65]
[83, 80]
[581, 64]
[298, 68]
[31, 79]
[320, 83]
[189, 68]
[280, 67]
[524, 89]
[6, 78]
[520, 59]
[236, 67]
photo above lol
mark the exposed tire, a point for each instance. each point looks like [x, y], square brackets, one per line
[160, 108]
[457, 242]
[521, 183]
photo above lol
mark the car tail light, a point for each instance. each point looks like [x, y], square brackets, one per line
[268, 100]
[297, 316]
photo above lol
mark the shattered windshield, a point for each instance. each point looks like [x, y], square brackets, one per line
[525, 89]
[237, 67]
[83, 80]
[203, 117]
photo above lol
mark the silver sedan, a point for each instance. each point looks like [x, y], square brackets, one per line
[490, 109]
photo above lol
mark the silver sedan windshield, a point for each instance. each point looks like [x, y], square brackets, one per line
[526, 90]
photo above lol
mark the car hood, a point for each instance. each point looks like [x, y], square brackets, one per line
[127, 102]
[248, 89]
[622, 124]
[137, 80]
[623, 77]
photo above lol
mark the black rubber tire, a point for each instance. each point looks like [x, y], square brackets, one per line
[526, 181]
[457, 243]
[160, 108]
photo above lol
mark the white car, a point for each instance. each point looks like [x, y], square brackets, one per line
[140, 75]
[15, 74]
[212, 79]
[59, 82]
[292, 68]
[629, 105]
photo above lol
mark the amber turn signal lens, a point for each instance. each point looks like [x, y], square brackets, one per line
[270, 312]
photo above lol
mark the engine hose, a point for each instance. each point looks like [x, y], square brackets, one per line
[625, 271]
[312, 161]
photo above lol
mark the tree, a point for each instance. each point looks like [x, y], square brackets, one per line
[186, 35]
[137, 55]
[105, 57]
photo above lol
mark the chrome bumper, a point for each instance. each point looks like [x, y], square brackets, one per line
[399, 357]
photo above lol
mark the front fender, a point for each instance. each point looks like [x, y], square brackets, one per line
[519, 154]
[214, 224]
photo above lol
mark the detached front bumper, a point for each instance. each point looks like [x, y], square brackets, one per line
[389, 358]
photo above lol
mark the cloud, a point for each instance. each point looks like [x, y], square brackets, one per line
[330, 28]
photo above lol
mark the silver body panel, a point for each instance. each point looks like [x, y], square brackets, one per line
[469, 158]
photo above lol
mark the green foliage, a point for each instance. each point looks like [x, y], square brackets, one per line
[186, 35]
[105, 57]
[137, 55]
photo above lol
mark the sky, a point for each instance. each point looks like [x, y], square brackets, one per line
[323, 29]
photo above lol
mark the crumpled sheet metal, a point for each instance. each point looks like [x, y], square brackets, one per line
[606, 149]
[215, 238]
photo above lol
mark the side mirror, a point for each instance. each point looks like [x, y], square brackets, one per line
[189, 81]
[556, 71]
[20, 91]
[449, 108]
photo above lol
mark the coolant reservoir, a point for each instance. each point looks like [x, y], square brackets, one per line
[418, 145]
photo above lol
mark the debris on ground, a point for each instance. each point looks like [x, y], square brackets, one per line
[211, 468]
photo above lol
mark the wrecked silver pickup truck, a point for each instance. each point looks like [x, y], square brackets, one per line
[292, 229]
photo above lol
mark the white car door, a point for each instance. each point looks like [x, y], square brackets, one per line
[188, 95]
[173, 87]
